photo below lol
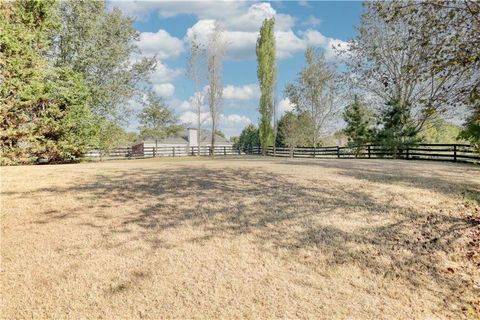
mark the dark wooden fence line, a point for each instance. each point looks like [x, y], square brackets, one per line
[174, 151]
[437, 151]
[423, 151]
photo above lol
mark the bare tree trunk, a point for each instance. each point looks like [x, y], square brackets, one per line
[197, 72]
[215, 51]
[199, 127]
[275, 125]
[214, 129]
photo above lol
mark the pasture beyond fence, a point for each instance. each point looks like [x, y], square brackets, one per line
[441, 152]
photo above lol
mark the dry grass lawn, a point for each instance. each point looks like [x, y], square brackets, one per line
[241, 238]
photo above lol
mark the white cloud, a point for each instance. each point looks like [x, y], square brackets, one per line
[284, 106]
[201, 30]
[304, 3]
[164, 89]
[189, 118]
[241, 19]
[331, 53]
[241, 44]
[231, 125]
[253, 18]
[201, 9]
[184, 105]
[234, 15]
[288, 43]
[189, 105]
[163, 73]
[316, 39]
[311, 21]
[246, 92]
[160, 44]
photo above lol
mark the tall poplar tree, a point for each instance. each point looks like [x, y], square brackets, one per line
[266, 73]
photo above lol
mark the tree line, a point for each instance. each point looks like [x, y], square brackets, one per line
[410, 65]
[66, 77]
[69, 70]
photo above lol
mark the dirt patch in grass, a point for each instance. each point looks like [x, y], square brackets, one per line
[328, 239]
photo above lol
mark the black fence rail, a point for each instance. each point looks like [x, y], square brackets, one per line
[441, 152]
[174, 151]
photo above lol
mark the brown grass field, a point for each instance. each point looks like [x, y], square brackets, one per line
[241, 238]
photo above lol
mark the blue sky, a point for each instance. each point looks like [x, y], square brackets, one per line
[165, 28]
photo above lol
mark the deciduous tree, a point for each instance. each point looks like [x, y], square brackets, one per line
[196, 70]
[101, 45]
[400, 56]
[449, 30]
[157, 120]
[292, 128]
[314, 92]
[216, 47]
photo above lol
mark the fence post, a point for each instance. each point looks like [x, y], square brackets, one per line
[154, 152]
[369, 152]
[314, 151]
[455, 152]
[338, 152]
[408, 151]
[173, 153]
[210, 150]
[238, 150]
[224, 151]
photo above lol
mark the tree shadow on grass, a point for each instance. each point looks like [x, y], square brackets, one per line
[281, 213]
[444, 178]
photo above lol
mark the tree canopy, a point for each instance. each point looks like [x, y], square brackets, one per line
[314, 92]
[156, 119]
[68, 70]
[266, 73]
[359, 123]
[249, 138]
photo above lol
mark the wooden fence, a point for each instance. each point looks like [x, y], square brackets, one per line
[178, 151]
[442, 152]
